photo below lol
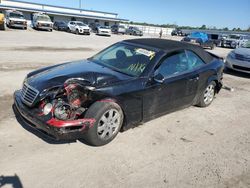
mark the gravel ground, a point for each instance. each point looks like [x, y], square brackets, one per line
[194, 147]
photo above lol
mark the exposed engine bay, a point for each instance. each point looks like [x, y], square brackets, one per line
[68, 102]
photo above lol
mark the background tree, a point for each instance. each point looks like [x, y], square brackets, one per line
[203, 27]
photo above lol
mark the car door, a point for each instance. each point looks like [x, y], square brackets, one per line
[174, 86]
[72, 26]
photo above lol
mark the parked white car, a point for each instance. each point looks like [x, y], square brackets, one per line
[104, 30]
[239, 59]
[78, 28]
[42, 21]
[15, 19]
[118, 29]
[235, 41]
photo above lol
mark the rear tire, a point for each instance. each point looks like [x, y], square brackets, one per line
[109, 119]
[2, 27]
[207, 95]
[212, 47]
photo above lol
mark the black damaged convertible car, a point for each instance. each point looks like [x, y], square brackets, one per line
[126, 84]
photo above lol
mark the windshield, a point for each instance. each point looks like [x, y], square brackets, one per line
[104, 27]
[234, 37]
[124, 58]
[121, 26]
[61, 23]
[246, 45]
[16, 15]
[80, 24]
[44, 18]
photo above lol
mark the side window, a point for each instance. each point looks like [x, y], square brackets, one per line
[194, 60]
[173, 65]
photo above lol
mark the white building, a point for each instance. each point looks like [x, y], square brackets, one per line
[59, 13]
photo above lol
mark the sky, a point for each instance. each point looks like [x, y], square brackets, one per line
[218, 13]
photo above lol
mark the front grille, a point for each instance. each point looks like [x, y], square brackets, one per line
[86, 30]
[241, 68]
[29, 94]
[18, 22]
[46, 25]
[228, 42]
[242, 57]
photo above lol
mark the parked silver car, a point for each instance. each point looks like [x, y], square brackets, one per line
[239, 59]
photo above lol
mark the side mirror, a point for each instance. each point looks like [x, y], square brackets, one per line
[159, 78]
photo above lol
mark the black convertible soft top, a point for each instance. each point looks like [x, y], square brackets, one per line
[171, 46]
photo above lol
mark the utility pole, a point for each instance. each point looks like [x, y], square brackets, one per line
[80, 4]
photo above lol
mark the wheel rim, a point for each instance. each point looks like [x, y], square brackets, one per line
[109, 124]
[209, 94]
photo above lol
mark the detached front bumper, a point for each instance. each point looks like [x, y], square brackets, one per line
[56, 129]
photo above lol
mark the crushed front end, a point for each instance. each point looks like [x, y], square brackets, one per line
[57, 111]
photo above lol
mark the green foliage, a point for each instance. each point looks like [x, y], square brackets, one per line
[203, 27]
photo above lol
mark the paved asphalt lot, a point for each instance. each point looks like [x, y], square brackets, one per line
[194, 147]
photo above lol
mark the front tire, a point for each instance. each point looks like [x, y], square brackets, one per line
[109, 119]
[207, 95]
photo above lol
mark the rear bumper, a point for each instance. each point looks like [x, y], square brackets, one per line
[58, 130]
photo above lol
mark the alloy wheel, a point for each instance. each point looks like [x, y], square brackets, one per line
[108, 125]
[209, 94]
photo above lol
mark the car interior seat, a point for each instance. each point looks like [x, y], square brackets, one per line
[121, 58]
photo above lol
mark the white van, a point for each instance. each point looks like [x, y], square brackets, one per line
[42, 21]
[15, 19]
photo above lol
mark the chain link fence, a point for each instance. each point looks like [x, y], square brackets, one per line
[151, 30]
